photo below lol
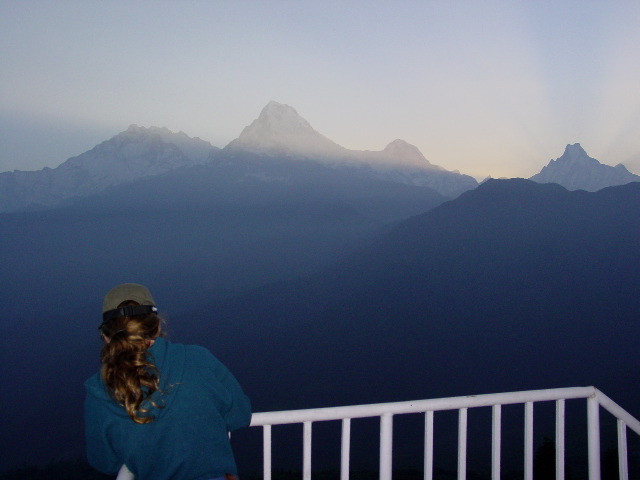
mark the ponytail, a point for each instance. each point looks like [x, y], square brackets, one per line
[127, 369]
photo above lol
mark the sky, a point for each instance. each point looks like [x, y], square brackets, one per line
[483, 87]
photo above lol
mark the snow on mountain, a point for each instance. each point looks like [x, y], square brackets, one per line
[135, 153]
[281, 131]
[278, 133]
[399, 150]
[575, 170]
[139, 152]
[396, 153]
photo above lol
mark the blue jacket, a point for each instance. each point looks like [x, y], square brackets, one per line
[188, 440]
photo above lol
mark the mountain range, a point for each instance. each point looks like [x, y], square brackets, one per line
[135, 153]
[279, 135]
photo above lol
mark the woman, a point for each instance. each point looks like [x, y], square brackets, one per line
[163, 410]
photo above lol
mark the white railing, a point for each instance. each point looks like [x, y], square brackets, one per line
[386, 411]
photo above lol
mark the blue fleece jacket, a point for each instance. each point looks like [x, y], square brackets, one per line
[188, 440]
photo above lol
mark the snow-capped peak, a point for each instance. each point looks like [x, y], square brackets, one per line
[280, 130]
[135, 153]
[405, 153]
[575, 170]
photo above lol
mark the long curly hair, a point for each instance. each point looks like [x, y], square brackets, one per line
[127, 367]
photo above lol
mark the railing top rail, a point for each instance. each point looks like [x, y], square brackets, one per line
[618, 412]
[418, 406]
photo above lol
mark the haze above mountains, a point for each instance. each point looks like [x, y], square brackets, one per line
[278, 133]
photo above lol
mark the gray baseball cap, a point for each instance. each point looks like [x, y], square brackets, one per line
[127, 291]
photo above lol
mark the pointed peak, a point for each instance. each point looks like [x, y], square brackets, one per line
[574, 153]
[574, 150]
[405, 153]
[274, 107]
[574, 146]
[280, 130]
[279, 117]
[398, 143]
[576, 170]
[405, 150]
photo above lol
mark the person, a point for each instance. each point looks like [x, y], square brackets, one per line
[161, 410]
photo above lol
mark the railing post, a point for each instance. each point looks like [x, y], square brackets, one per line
[386, 446]
[560, 410]
[462, 444]
[346, 447]
[623, 465]
[593, 425]
[528, 441]
[266, 452]
[306, 463]
[428, 446]
[496, 435]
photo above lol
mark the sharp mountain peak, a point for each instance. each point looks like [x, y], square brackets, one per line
[576, 170]
[278, 130]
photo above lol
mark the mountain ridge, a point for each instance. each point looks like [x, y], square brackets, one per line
[280, 131]
[576, 170]
[278, 135]
[529, 278]
[134, 153]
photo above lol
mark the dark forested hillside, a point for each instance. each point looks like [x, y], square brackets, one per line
[512, 286]
[312, 297]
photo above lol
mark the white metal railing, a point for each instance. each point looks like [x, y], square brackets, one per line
[386, 411]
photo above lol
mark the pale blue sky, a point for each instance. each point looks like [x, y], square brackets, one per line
[484, 87]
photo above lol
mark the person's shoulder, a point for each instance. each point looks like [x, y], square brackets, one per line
[203, 358]
[192, 354]
[93, 381]
[198, 351]
[94, 385]
[163, 347]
